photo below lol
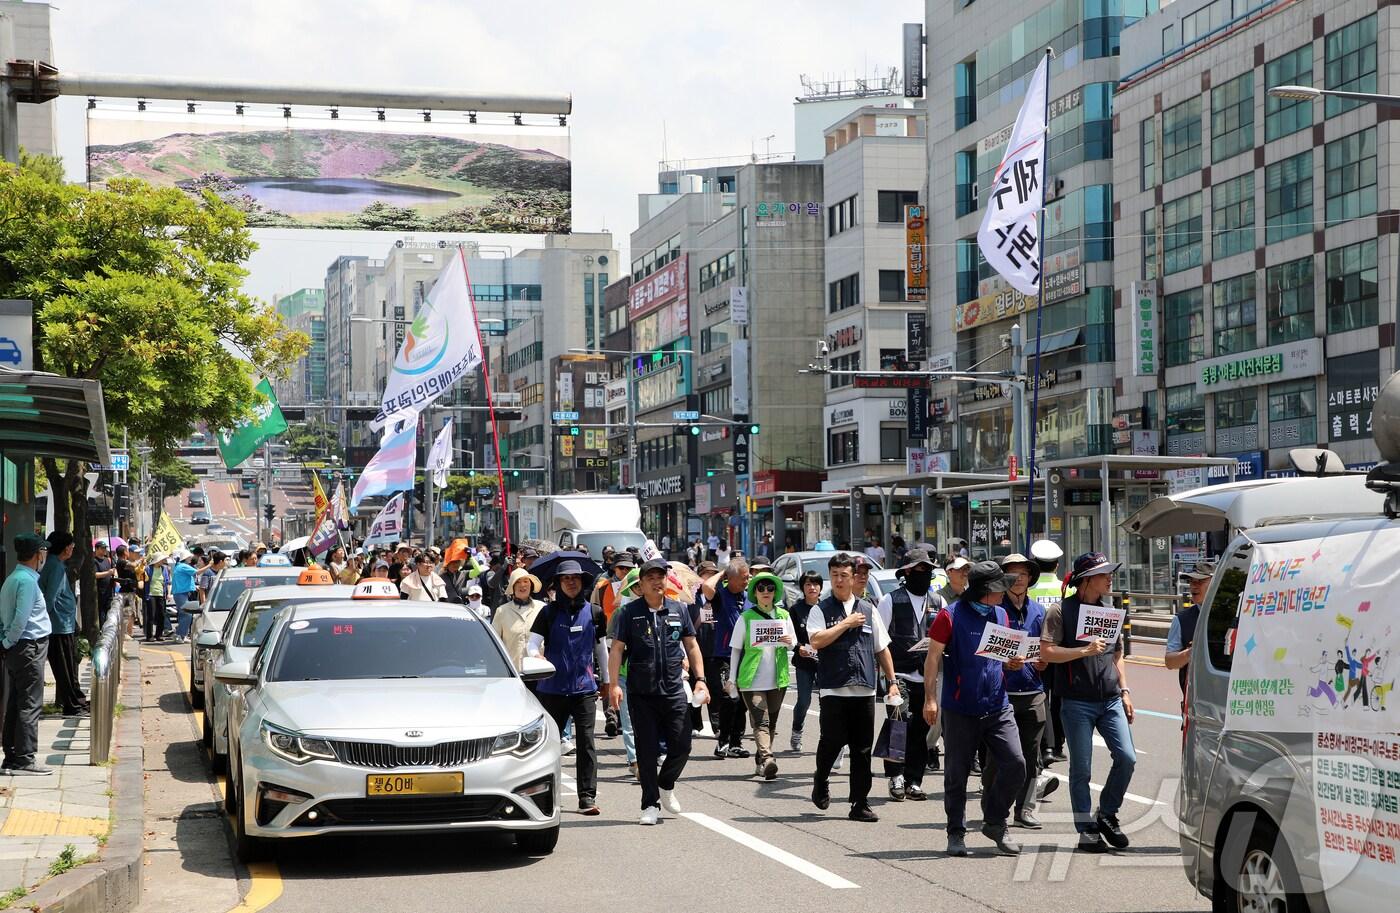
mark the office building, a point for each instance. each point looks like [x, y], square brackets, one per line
[305, 311]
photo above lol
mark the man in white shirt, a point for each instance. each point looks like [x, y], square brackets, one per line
[851, 641]
[907, 613]
[875, 551]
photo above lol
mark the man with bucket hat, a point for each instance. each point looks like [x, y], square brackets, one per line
[907, 613]
[1024, 687]
[1091, 678]
[973, 707]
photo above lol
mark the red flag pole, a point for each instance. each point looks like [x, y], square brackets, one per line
[490, 404]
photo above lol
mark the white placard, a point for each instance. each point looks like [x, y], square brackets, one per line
[1103, 622]
[767, 633]
[1001, 642]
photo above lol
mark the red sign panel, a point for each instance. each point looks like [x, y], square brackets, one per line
[662, 286]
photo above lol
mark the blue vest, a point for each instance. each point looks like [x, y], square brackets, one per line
[850, 659]
[727, 608]
[569, 646]
[652, 642]
[972, 685]
[1025, 679]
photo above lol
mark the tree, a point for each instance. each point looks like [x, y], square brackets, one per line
[311, 441]
[172, 473]
[139, 288]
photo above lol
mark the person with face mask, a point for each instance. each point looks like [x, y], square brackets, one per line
[907, 613]
[475, 603]
[565, 632]
[974, 709]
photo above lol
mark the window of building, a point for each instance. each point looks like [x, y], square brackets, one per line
[964, 93]
[841, 216]
[1232, 117]
[1149, 243]
[1351, 62]
[1181, 234]
[1295, 402]
[892, 203]
[893, 441]
[1288, 195]
[1233, 313]
[1351, 287]
[842, 447]
[1232, 216]
[1181, 139]
[718, 271]
[590, 328]
[1183, 328]
[891, 285]
[1186, 410]
[843, 293]
[715, 337]
[965, 174]
[968, 256]
[1283, 116]
[1350, 188]
[717, 401]
[1288, 297]
[849, 362]
[1081, 127]
[1237, 408]
[1147, 140]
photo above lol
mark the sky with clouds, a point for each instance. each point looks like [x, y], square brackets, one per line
[714, 79]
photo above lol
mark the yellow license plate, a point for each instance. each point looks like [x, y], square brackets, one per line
[413, 784]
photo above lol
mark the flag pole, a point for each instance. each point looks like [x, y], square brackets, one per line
[490, 403]
[1039, 312]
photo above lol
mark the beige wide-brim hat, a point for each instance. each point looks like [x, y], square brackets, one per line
[521, 574]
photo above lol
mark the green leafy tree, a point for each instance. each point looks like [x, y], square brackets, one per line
[311, 441]
[173, 474]
[139, 288]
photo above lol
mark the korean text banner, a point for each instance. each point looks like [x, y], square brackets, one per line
[1317, 647]
[353, 172]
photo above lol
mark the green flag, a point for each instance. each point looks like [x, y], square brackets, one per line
[237, 445]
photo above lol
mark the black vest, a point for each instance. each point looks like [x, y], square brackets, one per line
[850, 659]
[653, 646]
[1187, 619]
[1091, 678]
[905, 632]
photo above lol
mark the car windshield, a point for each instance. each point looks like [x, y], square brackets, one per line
[620, 541]
[257, 621]
[379, 648]
[226, 590]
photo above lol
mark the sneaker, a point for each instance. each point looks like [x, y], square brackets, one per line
[738, 751]
[935, 762]
[670, 802]
[567, 747]
[28, 770]
[997, 833]
[821, 796]
[1027, 819]
[840, 757]
[770, 769]
[796, 742]
[1091, 842]
[721, 751]
[863, 813]
[633, 768]
[1108, 827]
[957, 845]
[590, 808]
[976, 767]
[650, 815]
[897, 788]
[1047, 786]
[915, 793]
[610, 726]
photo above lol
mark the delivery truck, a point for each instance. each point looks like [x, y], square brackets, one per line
[594, 520]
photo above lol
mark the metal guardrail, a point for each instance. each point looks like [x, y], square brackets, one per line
[106, 682]
[1153, 603]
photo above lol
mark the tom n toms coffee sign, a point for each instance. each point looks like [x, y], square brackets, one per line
[664, 487]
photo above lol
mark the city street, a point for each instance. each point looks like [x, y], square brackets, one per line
[738, 836]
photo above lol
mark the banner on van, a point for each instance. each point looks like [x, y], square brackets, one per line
[1317, 646]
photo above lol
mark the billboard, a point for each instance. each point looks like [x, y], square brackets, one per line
[350, 172]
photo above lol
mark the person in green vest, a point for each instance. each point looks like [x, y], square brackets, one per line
[758, 651]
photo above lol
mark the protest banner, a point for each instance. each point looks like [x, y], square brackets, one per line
[1001, 642]
[1103, 622]
[767, 633]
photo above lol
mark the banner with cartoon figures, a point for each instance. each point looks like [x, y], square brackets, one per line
[1317, 646]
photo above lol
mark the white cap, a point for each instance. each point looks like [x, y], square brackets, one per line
[473, 590]
[1045, 550]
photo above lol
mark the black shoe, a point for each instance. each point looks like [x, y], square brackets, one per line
[863, 813]
[897, 789]
[1059, 755]
[957, 845]
[770, 769]
[1108, 827]
[1091, 842]
[821, 796]
[998, 834]
[1051, 784]
[721, 751]
[737, 751]
[914, 793]
[610, 727]
[1046, 759]
[976, 768]
[935, 763]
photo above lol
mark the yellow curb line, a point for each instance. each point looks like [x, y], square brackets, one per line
[1147, 661]
[266, 878]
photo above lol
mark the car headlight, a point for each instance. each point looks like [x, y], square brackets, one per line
[295, 747]
[521, 742]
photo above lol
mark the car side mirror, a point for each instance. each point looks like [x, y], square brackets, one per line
[208, 640]
[237, 673]
[535, 669]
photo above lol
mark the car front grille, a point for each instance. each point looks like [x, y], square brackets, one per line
[382, 756]
[410, 810]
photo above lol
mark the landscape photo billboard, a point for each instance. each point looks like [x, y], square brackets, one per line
[350, 172]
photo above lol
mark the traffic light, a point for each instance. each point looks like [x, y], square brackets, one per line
[515, 473]
[573, 431]
[269, 511]
[122, 500]
[753, 429]
[694, 430]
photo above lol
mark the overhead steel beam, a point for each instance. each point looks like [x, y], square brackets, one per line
[104, 85]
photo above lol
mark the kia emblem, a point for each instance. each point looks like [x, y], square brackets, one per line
[414, 733]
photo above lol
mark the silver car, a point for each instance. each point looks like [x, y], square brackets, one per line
[242, 634]
[231, 583]
[369, 717]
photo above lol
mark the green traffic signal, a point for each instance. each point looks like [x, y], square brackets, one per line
[573, 431]
[694, 430]
[515, 473]
[753, 429]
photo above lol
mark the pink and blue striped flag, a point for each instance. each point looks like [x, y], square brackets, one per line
[391, 469]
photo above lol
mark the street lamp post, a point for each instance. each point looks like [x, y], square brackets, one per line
[1310, 93]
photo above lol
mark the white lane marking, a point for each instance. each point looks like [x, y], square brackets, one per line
[1098, 740]
[1131, 797]
[796, 863]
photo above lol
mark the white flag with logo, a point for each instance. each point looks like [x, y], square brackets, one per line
[1010, 232]
[440, 346]
[440, 456]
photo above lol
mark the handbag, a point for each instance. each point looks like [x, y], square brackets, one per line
[890, 745]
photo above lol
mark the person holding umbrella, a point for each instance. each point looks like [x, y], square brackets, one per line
[566, 632]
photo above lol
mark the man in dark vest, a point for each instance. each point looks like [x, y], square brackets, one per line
[726, 602]
[1183, 629]
[1024, 687]
[850, 640]
[907, 613]
[654, 634]
[974, 709]
[1092, 682]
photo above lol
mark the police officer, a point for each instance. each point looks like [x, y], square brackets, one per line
[1183, 629]
[565, 632]
[907, 613]
[654, 635]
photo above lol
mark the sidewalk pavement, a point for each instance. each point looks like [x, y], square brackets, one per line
[40, 817]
